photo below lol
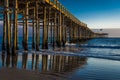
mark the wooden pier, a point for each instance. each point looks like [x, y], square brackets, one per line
[50, 15]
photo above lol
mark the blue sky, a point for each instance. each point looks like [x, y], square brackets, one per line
[96, 13]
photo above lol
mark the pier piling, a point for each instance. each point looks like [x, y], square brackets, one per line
[26, 27]
[45, 42]
[7, 24]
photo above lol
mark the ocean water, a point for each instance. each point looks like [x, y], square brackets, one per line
[95, 59]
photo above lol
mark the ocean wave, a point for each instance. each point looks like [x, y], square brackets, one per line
[67, 53]
[81, 54]
[100, 46]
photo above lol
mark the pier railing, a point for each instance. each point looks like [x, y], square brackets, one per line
[57, 5]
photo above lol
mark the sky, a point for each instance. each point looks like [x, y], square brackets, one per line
[96, 13]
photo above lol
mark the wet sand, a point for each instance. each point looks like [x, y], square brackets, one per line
[17, 74]
[58, 67]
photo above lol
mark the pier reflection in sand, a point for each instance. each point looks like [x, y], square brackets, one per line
[44, 63]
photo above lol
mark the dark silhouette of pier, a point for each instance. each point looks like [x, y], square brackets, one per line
[50, 15]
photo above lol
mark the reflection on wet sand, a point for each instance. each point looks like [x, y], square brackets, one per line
[14, 61]
[44, 63]
[33, 60]
[3, 59]
[37, 62]
[24, 60]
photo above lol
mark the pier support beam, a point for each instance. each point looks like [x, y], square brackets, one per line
[74, 33]
[15, 26]
[54, 29]
[33, 36]
[6, 27]
[63, 31]
[33, 32]
[10, 29]
[37, 28]
[66, 30]
[37, 35]
[82, 34]
[59, 39]
[69, 33]
[25, 41]
[79, 33]
[49, 27]
[45, 41]
[60, 28]
[51, 32]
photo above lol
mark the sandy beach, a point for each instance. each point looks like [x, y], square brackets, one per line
[17, 74]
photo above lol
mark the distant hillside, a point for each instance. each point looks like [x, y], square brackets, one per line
[115, 32]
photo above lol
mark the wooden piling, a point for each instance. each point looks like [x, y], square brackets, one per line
[4, 33]
[44, 44]
[17, 39]
[37, 35]
[80, 33]
[70, 32]
[23, 41]
[7, 24]
[74, 33]
[37, 28]
[59, 31]
[15, 26]
[54, 29]
[84, 33]
[63, 31]
[51, 32]
[33, 32]
[49, 24]
[26, 26]
[10, 29]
